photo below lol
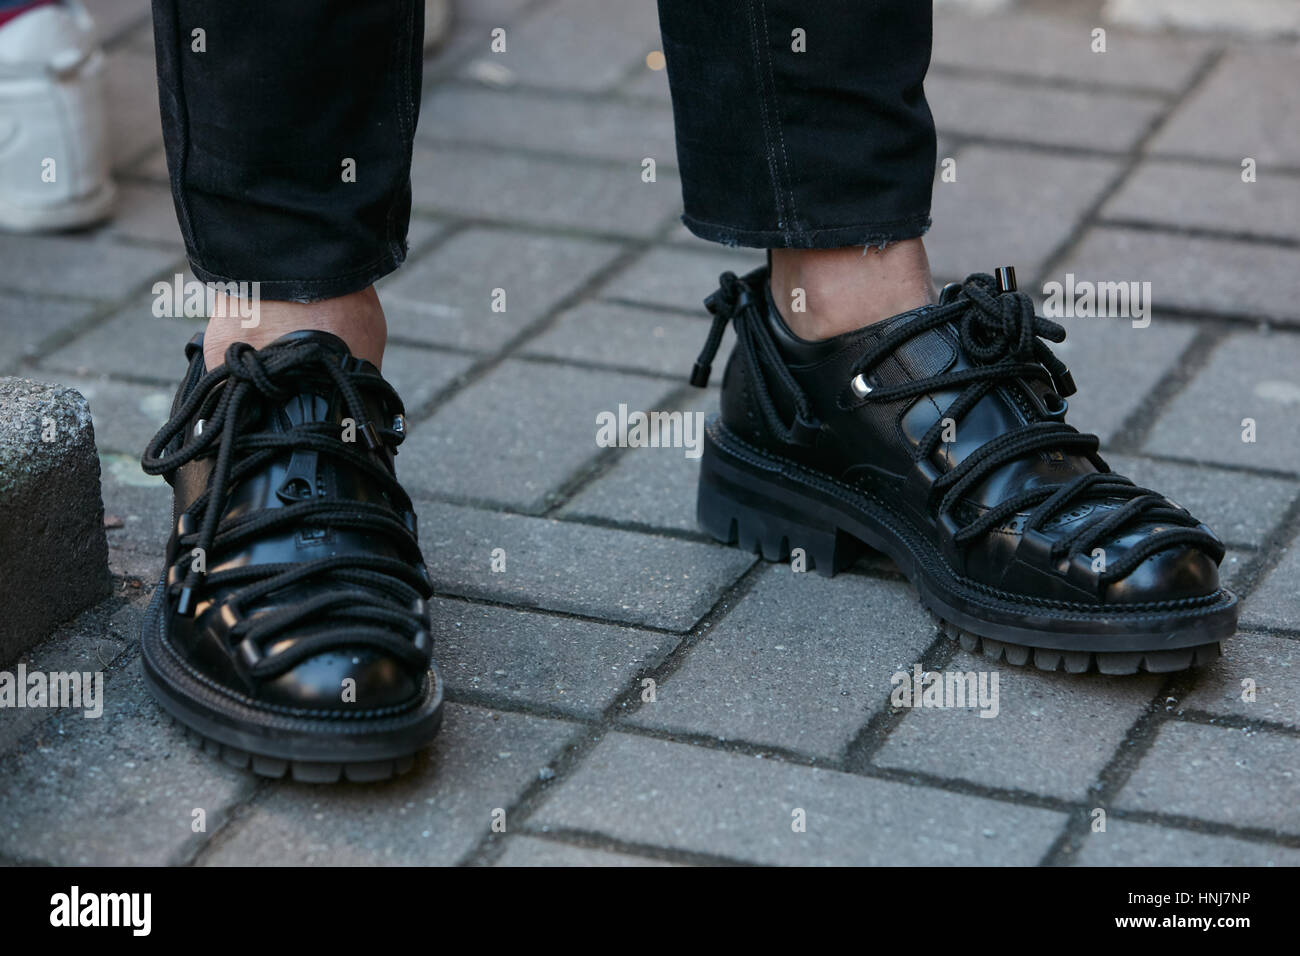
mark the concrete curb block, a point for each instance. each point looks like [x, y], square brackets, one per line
[53, 553]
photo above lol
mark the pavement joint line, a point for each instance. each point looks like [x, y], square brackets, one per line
[233, 815]
[1022, 79]
[1258, 565]
[1134, 744]
[1134, 431]
[554, 612]
[602, 461]
[573, 755]
[590, 365]
[108, 308]
[859, 753]
[1274, 240]
[1254, 470]
[1204, 718]
[590, 840]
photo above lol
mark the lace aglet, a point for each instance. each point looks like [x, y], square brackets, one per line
[1064, 382]
[700, 374]
[185, 603]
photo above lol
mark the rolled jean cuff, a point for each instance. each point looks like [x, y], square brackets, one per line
[311, 290]
[878, 235]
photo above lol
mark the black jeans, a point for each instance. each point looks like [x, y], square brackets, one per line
[778, 148]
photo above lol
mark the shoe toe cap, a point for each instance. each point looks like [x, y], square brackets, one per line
[344, 679]
[1171, 575]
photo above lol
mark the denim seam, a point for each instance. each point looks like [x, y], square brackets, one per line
[338, 277]
[183, 153]
[879, 231]
[776, 119]
[756, 48]
[401, 52]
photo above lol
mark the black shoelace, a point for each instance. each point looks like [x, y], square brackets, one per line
[1001, 334]
[375, 601]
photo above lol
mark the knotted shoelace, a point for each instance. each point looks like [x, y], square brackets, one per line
[374, 601]
[1003, 337]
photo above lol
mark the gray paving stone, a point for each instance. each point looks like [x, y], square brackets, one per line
[1058, 48]
[1195, 274]
[89, 642]
[802, 663]
[534, 191]
[131, 95]
[647, 487]
[615, 575]
[89, 265]
[629, 338]
[1243, 778]
[117, 790]
[419, 374]
[1115, 366]
[1244, 517]
[1250, 375]
[125, 416]
[1035, 114]
[1126, 843]
[493, 12]
[1015, 206]
[555, 662]
[677, 278]
[132, 343]
[1272, 664]
[1052, 733]
[480, 761]
[143, 504]
[1235, 112]
[649, 84]
[649, 791]
[145, 213]
[1275, 602]
[518, 434]
[1192, 195]
[576, 44]
[518, 119]
[532, 851]
[27, 321]
[445, 297]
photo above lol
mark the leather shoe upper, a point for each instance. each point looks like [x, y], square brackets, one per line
[954, 413]
[294, 577]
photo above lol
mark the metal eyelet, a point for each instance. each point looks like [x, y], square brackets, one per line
[198, 427]
[860, 387]
[399, 424]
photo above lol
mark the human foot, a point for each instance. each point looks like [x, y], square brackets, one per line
[290, 630]
[938, 437]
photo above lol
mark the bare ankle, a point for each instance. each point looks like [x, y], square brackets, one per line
[826, 292]
[356, 318]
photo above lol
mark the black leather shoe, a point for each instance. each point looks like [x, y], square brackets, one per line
[290, 629]
[938, 437]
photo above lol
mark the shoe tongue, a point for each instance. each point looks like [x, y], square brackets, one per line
[327, 340]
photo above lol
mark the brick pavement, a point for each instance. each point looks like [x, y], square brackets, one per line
[771, 689]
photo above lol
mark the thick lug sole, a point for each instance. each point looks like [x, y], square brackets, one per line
[272, 744]
[768, 505]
